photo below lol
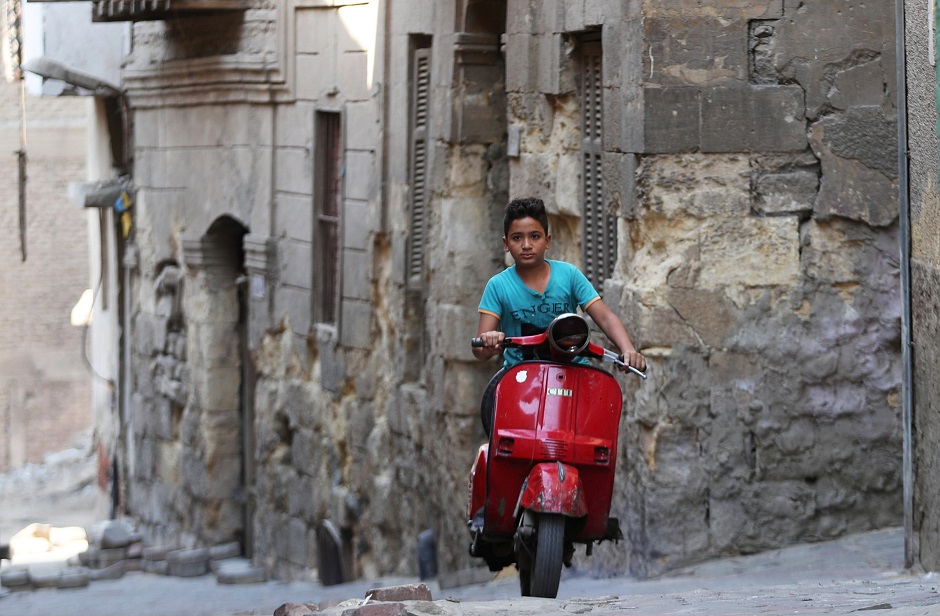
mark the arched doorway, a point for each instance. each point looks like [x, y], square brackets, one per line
[223, 381]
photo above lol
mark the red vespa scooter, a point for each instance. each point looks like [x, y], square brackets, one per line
[545, 479]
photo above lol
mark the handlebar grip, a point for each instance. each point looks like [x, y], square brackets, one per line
[476, 343]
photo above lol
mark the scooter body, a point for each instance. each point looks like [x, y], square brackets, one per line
[544, 481]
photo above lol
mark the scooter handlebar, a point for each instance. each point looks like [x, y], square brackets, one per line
[476, 343]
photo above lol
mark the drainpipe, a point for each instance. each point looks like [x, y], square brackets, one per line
[907, 389]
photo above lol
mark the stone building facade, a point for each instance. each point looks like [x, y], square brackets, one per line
[45, 392]
[319, 187]
[922, 242]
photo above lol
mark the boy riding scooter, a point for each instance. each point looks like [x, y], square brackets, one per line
[544, 480]
[523, 299]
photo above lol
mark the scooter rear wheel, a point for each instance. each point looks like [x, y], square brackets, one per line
[546, 572]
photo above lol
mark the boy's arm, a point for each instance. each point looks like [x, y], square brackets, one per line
[613, 328]
[488, 331]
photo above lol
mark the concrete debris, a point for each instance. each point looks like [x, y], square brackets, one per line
[45, 556]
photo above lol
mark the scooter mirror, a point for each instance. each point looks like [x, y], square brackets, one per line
[569, 334]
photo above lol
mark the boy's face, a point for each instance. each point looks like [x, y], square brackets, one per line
[527, 242]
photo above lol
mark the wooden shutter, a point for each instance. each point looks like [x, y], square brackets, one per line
[329, 182]
[418, 161]
[599, 242]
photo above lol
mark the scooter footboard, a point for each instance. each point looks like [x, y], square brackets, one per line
[553, 487]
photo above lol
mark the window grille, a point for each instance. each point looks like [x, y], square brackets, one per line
[418, 161]
[599, 242]
[328, 178]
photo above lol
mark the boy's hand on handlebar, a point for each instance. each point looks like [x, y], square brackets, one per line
[635, 359]
[492, 344]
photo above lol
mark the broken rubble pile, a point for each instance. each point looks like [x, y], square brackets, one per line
[42, 556]
[386, 601]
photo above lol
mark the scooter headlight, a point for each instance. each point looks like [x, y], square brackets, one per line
[569, 334]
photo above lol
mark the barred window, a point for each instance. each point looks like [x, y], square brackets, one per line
[418, 161]
[599, 241]
[328, 188]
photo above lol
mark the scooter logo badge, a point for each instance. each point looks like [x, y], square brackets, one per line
[521, 376]
[558, 391]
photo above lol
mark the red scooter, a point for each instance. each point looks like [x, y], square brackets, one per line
[544, 480]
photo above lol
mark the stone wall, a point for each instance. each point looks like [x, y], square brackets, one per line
[924, 148]
[757, 265]
[755, 203]
[45, 395]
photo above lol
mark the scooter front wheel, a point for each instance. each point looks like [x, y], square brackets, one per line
[546, 570]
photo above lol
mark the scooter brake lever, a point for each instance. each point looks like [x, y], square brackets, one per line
[618, 359]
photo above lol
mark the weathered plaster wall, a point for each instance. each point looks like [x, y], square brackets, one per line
[45, 390]
[925, 276]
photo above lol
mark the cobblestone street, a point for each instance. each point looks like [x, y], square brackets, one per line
[859, 573]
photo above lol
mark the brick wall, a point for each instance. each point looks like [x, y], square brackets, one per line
[45, 397]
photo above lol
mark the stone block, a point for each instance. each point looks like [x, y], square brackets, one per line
[188, 563]
[727, 119]
[778, 119]
[378, 609]
[114, 571]
[294, 170]
[356, 324]
[74, 578]
[357, 279]
[295, 304]
[694, 48]
[857, 183]
[294, 122]
[294, 217]
[357, 227]
[157, 567]
[709, 314]
[520, 49]
[15, 578]
[753, 118]
[360, 175]
[44, 576]
[785, 192]
[110, 556]
[239, 571]
[752, 252]
[117, 534]
[296, 609]
[550, 63]
[405, 592]
[362, 127]
[671, 118]
[225, 551]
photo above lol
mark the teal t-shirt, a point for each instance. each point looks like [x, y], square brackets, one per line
[523, 312]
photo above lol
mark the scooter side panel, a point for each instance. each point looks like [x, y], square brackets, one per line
[597, 430]
[477, 487]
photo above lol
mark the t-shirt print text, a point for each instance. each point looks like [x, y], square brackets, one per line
[520, 314]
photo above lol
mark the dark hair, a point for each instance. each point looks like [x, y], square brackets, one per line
[526, 207]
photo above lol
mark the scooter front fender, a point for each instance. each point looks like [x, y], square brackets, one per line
[553, 487]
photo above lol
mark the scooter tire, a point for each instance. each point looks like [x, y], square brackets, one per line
[546, 572]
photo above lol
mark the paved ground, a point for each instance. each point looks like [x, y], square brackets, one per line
[857, 574]
[860, 573]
